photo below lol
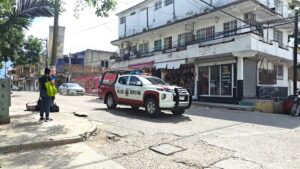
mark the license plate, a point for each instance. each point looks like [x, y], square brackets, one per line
[181, 98]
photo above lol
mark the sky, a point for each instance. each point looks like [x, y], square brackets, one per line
[86, 32]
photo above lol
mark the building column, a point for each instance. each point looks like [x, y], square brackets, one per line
[196, 81]
[240, 71]
[240, 77]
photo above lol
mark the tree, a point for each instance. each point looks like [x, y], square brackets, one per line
[102, 6]
[102, 9]
[14, 20]
[31, 53]
[294, 3]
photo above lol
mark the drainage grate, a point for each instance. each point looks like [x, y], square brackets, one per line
[166, 149]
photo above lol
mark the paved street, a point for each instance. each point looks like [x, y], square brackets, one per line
[205, 138]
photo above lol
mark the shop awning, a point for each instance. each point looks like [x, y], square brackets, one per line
[175, 64]
[161, 65]
[141, 65]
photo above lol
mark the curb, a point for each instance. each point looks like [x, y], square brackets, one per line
[224, 107]
[49, 143]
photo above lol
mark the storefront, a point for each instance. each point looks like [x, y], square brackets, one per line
[184, 76]
[216, 81]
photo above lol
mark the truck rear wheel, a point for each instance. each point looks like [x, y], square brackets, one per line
[178, 111]
[110, 101]
[152, 107]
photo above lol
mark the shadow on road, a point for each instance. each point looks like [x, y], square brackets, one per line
[274, 120]
[141, 114]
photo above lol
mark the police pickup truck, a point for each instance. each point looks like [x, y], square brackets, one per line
[119, 87]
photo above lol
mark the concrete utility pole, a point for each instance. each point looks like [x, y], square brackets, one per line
[295, 50]
[55, 33]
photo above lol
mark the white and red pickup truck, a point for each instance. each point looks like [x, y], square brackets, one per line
[118, 87]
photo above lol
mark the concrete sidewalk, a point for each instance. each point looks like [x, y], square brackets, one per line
[25, 132]
[79, 156]
[224, 106]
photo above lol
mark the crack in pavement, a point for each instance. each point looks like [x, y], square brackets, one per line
[187, 164]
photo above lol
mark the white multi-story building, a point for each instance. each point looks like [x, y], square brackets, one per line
[223, 50]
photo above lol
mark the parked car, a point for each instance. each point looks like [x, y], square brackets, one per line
[71, 89]
[143, 91]
[15, 88]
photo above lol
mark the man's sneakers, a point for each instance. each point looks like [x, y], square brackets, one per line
[48, 119]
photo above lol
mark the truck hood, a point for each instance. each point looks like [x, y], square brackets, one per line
[164, 87]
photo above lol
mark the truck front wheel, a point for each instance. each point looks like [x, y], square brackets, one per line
[110, 101]
[152, 107]
[178, 111]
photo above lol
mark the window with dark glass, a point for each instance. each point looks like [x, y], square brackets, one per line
[144, 48]
[133, 80]
[226, 79]
[122, 20]
[168, 43]
[279, 71]
[157, 45]
[205, 34]
[230, 28]
[215, 80]
[168, 2]
[203, 80]
[157, 5]
[278, 37]
[123, 80]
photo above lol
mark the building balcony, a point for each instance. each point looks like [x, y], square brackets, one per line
[219, 45]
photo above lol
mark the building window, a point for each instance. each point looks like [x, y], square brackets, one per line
[278, 37]
[168, 43]
[122, 20]
[205, 34]
[133, 13]
[279, 71]
[157, 45]
[157, 5]
[278, 6]
[143, 48]
[230, 28]
[168, 2]
[216, 80]
[185, 38]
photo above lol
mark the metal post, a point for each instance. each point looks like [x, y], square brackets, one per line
[295, 52]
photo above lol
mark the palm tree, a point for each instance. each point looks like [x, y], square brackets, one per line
[18, 18]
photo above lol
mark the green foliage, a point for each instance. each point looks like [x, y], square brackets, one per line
[102, 7]
[17, 17]
[31, 52]
[294, 3]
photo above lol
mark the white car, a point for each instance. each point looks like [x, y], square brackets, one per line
[143, 91]
[71, 89]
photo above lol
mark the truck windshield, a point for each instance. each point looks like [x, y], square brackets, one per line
[154, 80]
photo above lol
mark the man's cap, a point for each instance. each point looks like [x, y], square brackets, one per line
[47, 71]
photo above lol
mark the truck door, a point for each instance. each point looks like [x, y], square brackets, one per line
[121, 87]
[135, 89]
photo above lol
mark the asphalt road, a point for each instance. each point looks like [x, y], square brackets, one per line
[204, 138]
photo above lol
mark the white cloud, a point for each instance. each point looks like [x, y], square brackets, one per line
[89, 31]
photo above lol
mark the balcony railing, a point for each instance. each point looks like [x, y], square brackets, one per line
[216, 38]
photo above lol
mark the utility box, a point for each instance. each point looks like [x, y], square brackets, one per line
[5, 100]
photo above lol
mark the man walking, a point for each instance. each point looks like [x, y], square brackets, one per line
[46, 100]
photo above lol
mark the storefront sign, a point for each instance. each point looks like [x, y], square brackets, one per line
[141, 65]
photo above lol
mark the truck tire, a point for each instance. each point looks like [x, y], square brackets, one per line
[152, 107]
[178, 111]
[110, 101]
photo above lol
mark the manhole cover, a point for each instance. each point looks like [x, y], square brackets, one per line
[166, 149]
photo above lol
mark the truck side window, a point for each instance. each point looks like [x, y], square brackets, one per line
[133, 80]
[123, 80]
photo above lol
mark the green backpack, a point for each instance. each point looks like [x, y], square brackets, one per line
[51, 89]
